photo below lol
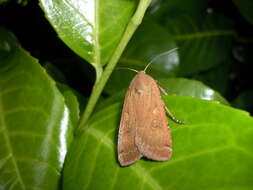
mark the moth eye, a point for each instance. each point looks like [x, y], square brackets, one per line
[154, 124]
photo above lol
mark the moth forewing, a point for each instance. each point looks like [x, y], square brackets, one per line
[128, 152]
[152, 134]
[143, 128]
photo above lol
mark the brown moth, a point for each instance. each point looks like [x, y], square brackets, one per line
[144, 130]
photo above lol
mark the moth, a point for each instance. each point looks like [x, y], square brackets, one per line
[144, 130]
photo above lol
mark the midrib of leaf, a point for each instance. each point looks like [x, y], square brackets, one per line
[8, 144]
[93, 166]
[97, 63]
[206, 34]
[136, 168]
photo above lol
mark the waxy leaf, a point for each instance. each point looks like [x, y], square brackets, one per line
[189, 87]
[35, 123]
[91, 28]
[202, 44]
[151, 42]
[177, 86]
[213, 150]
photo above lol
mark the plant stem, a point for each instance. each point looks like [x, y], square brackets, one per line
[98, 87]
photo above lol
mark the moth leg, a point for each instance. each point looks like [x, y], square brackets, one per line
[173, 117]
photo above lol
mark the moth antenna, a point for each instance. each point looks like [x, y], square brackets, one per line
[160, 55]
[128, 69]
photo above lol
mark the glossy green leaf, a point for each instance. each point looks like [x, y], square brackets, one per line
[187, 87]
[105, 102]
[72, 102]
[90, 28]
[213, 150]
[245, 7]
[202, 45]
[148, 43]
[178, 86]
[35, 122]
[151, 42]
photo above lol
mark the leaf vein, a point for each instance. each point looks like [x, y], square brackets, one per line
[9, 90]
[194, 155]
[8, 144]
[21, 109]
[198, 35]
[37, 161]
[105, 140]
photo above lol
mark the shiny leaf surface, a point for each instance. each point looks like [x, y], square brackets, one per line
[35, 122]
[151, 42]
[213, 150]
[72, 102]
[202, 44]
[148, 43]
[187, 87]
[178, 86]
[90, 28]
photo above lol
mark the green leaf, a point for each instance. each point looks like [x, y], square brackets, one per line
[187, 87]
[213, 150]
[35, 123]
[151, 42]
[176, 86]
[72, 102]
[202, 45]
[92, 29]
[179, 86]
[245, 7]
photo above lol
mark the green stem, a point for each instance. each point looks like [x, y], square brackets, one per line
[98, 87]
